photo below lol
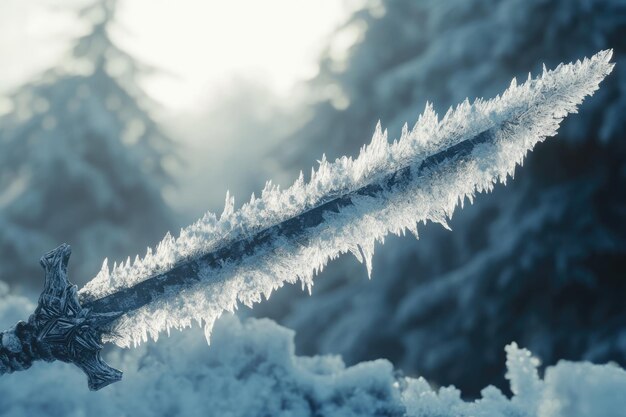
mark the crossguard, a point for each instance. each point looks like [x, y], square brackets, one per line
[59, 329]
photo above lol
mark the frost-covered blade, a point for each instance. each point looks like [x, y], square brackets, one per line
[346, 206]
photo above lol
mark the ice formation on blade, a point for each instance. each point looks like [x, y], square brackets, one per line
[515, 121]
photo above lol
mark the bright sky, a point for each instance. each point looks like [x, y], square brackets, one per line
[201, 43]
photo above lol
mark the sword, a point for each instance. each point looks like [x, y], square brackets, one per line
[290, 235]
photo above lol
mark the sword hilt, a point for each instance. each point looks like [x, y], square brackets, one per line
[59, 329]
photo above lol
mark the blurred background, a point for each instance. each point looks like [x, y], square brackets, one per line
[121, 120]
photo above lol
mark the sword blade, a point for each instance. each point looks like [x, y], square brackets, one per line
[346, 207]
[186, 274]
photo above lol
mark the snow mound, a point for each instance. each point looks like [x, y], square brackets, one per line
[251, 369]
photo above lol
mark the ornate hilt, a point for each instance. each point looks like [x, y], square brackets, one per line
[59, 329]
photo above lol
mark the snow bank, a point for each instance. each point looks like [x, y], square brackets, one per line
[251, 370]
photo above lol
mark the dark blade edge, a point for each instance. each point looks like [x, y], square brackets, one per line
[185, 274]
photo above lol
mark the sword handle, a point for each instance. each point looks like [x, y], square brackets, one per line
[17, 348]
[59, 329]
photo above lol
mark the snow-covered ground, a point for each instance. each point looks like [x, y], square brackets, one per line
[251, 369]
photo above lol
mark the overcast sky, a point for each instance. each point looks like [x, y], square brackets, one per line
[200, 43]
[205, 48]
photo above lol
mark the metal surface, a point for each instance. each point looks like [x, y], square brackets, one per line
[185, 274]
[59, 329]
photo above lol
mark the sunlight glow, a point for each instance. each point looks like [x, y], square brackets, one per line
[198, 44]
[206, 43]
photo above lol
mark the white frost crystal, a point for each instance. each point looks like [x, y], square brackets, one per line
[520, 118]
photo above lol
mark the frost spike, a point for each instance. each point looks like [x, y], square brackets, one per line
[289, 235]
[390, 187]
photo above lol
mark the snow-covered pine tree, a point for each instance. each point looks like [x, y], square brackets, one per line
[81, 160]
[539, 262]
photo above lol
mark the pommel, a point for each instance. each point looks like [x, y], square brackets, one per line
[64, 330]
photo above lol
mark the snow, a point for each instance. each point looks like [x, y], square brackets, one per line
[518, 119]
[251, 369]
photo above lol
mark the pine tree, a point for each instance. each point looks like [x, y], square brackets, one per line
[540, 262]
[81, 161]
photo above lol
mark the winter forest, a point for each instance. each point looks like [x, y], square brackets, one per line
[515, 307]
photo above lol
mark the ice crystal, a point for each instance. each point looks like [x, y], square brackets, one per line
[517, 120]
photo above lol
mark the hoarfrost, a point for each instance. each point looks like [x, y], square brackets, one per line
[518, 119]
[252, 370]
